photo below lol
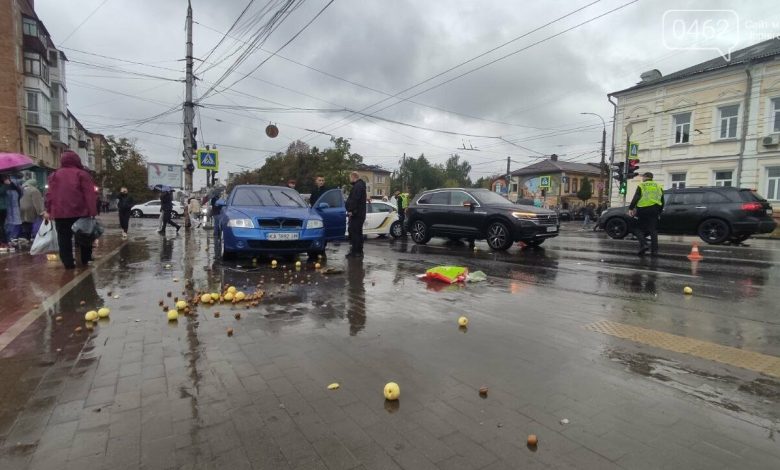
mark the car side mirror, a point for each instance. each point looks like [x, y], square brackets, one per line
[323, 205]
[469, 205]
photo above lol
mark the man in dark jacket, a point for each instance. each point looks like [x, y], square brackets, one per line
[356, 210]
[319, 189]
[166, 198]
[125, 204]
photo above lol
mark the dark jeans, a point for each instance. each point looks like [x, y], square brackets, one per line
[124, 220]
[402, 219]
[65, 241]
[355, 230]
[3, 214]
[26, 232]
[648, 225]
[167, 220]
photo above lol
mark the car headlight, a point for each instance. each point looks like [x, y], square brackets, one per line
[523, 215]
[314, 223]
[240, 223]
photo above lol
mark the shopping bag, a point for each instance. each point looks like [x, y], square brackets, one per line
[45, 240]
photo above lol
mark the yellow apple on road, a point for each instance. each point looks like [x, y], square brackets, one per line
[229, 296]
[103, 312]
[297, 264]
[687, 290]
[392, 391]
[205, 298]
[181, 305]
[214, 296]
[317, 266]
[91, 315]
[173, 315]
[273, 263]
[463, 321]
[232, 289]
[239, 296]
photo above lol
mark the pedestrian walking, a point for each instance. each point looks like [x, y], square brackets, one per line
[166, 200]
[401, 204]
[356, 209]
[590, 215]
[319, 189]
[31, 209]
[647, 205]
[5, 186]
[193, 207]
[124, 206]
[71, 195]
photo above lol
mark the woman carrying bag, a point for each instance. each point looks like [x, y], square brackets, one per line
[71, 196]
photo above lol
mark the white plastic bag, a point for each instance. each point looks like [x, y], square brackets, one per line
[45, 240]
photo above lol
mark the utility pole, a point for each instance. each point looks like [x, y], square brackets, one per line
[189, 113]
[508, 176]
[603, 156]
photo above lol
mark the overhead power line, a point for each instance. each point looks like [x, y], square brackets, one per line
[84, 21]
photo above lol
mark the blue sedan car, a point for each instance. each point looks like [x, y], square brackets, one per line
[274, 219]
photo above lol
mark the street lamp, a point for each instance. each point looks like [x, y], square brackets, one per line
[603, 156]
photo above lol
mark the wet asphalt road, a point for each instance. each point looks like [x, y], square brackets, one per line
[140, 392]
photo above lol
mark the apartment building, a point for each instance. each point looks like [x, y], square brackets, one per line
[716, 123]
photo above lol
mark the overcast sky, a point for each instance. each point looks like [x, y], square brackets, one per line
[533, 98]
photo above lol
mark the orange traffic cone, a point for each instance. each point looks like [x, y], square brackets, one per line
[695, 255]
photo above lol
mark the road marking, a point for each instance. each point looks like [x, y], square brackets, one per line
[20, 325]
[750, 360]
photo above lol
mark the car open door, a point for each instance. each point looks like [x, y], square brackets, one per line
[330, 206]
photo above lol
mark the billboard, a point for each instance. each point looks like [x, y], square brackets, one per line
[163, 173]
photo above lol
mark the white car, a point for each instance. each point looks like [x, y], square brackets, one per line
[152, 209]
[381, 219]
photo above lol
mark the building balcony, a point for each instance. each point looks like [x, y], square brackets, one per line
[38, 122]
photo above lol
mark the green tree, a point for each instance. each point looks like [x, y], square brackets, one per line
[483, 182]
[456, 173]
[586, 190]
[125, 166]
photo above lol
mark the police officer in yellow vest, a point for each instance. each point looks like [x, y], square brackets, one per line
[647, 205]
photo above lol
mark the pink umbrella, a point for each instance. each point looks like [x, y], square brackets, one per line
[10, 162]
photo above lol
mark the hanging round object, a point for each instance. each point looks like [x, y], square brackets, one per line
[271, 131]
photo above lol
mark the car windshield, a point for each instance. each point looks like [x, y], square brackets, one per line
[281, 197]
[491, 198]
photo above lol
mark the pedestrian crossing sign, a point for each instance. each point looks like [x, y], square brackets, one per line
[633, 150]
[208, 159]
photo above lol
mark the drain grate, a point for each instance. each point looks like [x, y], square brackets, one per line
[754, 361]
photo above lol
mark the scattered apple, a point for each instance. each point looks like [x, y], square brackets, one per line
[532, 440]
[205, 298]
[173, 315]
[181, 305]
[229, 296]
[103, 312]
[392, 391]
[240, 296]
[91, 315]
[687, 290]
[463, 321]
[214, 296]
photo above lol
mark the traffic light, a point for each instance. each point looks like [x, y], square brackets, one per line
[619, 171]
[623, 188]
[633, 168]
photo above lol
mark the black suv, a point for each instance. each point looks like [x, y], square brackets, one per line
[478, 214]
[716, 214]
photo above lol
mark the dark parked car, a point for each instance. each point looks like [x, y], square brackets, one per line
[478, 214]
[716, 214]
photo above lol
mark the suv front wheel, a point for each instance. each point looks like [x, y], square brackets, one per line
[714, 231]
[420, 233]
[498, 236]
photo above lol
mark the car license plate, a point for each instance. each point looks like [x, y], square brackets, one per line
[769, 212]
[552, 229]
[283, 236]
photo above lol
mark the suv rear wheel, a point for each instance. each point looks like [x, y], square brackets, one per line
[420, 233]
[498, 236]
[714, 231]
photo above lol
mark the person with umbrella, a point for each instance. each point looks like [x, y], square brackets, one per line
[71, 196]
[5, 187]
[31, 207]
[9, 163]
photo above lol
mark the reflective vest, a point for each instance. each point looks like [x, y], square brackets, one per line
[652, 194]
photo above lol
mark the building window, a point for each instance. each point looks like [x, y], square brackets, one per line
[776, 115]
[773, 183]
[32, 146]
[682, 128]
[723, 178]
[678, 180]
[728, 121]
[32, 108]
[566, 185]
[53, 57]
[29, 27]
[379, 179]
[574, 183]
[32, 64]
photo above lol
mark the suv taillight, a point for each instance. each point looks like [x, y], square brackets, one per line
[752, 207]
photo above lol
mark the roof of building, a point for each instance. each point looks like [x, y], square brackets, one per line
[765, 50]
[372, 168]
[553, 166]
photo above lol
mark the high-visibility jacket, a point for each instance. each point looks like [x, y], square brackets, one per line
[652, 194]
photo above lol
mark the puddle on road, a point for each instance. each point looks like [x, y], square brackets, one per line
[744, 398]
